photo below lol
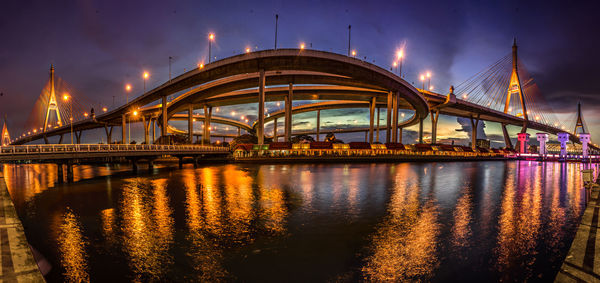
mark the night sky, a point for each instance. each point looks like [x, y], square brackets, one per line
[98, 46]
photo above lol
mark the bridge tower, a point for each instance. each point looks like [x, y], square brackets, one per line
[5, 135]
[514, 87]
[579, 123]
[52, 103]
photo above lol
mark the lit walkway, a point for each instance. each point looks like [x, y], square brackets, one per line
[18, 264]
[582, 263]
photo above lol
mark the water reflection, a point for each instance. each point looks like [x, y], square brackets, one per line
[72, 248]
[375, 222]
[404, 247]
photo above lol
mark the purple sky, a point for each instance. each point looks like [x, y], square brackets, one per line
[98, 46]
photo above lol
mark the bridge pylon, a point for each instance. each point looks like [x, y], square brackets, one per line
[579, 122]
[5, 135]
[52, 102]
[514, 87]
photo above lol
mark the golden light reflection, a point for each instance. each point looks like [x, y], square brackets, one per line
[71, 245]
[404, 247]
[461, 232]
[147, 228]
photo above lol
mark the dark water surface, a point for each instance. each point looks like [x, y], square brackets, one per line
[475, 221]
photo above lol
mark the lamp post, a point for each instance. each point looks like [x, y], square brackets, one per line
[66, 98]
[211, 37]
[127, 90]
[423, 81]
[428, 79]
[146, 75]
[400, 55]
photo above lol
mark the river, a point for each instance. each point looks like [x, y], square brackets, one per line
[450, 221]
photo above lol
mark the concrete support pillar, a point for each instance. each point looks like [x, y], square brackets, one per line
[191, 123]
[181, 162]
[239, 132]
[421, 130]
[523, 142]
[400, 134]
[46, 139]
[195, 161]
[584, 138]
[288, 113]
[366, 136]
[275, 139]
[165, 121]
[563, 138]
[207, 118]
[146, 130]
[507, 141]
[260, 127]
[395, 117]
[69, 172]
[150, 165]
[474, 126]
[60, 140]
[108, 134]
[60, 176]
[372, 105]
[542, 139]
[318, 124]
[153, 125]
[434, 121]
[123, 129]
[377, 134]
[134, 166]
[388, 125]
[78, 136]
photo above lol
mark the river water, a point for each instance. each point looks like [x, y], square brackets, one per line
[451, 221]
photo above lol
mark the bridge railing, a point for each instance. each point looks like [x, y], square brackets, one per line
[72, 148]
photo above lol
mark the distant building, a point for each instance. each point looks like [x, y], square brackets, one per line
[482, 143]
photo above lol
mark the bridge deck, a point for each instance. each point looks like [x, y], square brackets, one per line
[18, 263]
[582, 263]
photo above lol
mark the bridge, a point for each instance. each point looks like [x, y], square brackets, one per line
[334, 81]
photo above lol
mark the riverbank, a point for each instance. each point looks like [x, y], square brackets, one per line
[18, 263]
[361, 159]
[582, 263]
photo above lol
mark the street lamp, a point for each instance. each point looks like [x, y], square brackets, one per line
[66, 98]
[423, 81]
[301, 45]
[146, 75]
[428, 79]
[211, 37]
[400, 58]
[127, 90]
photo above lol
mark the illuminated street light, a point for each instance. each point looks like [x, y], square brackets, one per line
[211, 37]
[66, 98]
[428, 79]
[430, 88]
[135, 113]
[423, 81]
[247, 49]
[104, 109]
[353, 53]
[301, 45]
[146, 75]
[200, 65]
[400, 58]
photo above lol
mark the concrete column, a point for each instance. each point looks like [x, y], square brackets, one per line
[260, 127]
[372, 117]
[275, 130]
[69, 172]
[191, 123]
[474, 126]
[60, 140]
[153, 124]
[60, 176]
[584, 138]
[134, 166]
[434, 121]
[151, 165]
[165, 121]
[146, 130]
[388, 125]
[563, 138]
[181, 162]
[207, 118]
[377, 135]
[523, 141]
[288, 113]
[395, 117]
[400, 134]
[542, 138]
[421, 130]
[108, 134]
[123, 129]
[318, 123]
[507, 141]
[239, 132]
